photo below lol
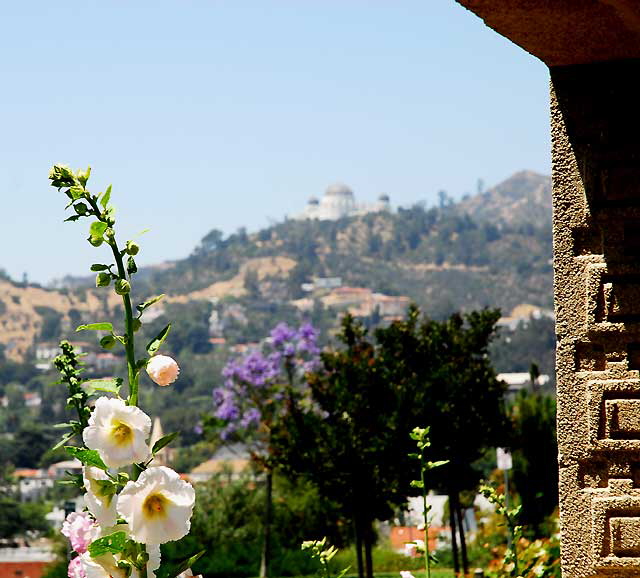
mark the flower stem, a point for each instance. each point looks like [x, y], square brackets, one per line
[129, 345]
[427, 561]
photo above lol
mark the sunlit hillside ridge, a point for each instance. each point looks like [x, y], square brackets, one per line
[491, 249]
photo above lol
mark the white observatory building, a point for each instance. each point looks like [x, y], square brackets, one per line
[339, 201]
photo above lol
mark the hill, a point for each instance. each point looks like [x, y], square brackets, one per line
[489, 250]
[524, 198]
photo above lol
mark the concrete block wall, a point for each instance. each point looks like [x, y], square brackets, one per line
[595, 120]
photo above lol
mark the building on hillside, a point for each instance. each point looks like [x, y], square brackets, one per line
[31, 400]
[522, 315]
[25, 561]
[233, 460]
[360, 302]
[518, 381]
[33, 484]
[46, 352]
[338, 202]
[59, 470]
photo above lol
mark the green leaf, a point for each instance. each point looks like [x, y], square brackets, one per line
[99, 267]
[131, 266]
[431, 465]
[172, 570]
[417, 484]
[113, 543]
[104, 201]
[87, 457]
[76, 193]
[74, 480]
[65, 424]
[105, 326]
[155, 344]
[65, 438]
[164, 441]
[106, 488]
[109, 385]
[97, 229]
[149, 303]
[73, 218]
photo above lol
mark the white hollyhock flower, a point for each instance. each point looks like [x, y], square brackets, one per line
[154, 558]
[189, 574]
[118, 432]
[106, 565]
[101, 504]
[158, 506]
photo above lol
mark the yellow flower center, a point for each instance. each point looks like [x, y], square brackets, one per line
[121, 433]
[155, 506]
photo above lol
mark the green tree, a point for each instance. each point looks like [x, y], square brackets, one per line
[420, 372]
[355, 447]
[447, 377]
[227, 523]
[535, 451]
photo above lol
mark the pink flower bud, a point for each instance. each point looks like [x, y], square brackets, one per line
[76, 570]
[80, 530]
[162, 369]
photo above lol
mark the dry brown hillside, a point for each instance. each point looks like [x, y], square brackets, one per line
[21, 322]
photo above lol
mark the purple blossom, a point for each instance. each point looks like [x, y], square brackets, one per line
[255, 384]
[257, 369]
[311, 365]
[282, 334]
[307, 340]
[228, 431]
[307, 332]
[226, 408]
[250, 417]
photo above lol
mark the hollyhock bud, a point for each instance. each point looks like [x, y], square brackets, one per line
[122, 286]
[76, 569]
[80, 530]
[108, 342]
[410, 549]
[162, 369]
[103, 279]
[132, 248]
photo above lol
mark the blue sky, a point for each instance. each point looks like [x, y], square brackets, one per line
[221, 114]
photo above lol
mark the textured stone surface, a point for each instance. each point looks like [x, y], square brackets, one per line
[596, 227]
[566, 32]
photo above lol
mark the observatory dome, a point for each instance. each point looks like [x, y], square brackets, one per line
[339, 190]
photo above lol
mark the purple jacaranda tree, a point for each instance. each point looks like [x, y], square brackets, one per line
[258, 391]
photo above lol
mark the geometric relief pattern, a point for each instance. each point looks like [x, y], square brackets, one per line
[607, 360]
[596, 198]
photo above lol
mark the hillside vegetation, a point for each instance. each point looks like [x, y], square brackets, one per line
[444, 259]
[492, 250]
